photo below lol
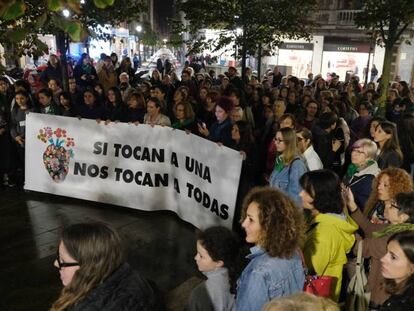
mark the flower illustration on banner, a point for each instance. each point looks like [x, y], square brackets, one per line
[57, 155]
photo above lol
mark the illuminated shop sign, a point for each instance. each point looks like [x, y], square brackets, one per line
[353, 47]
[296, 46]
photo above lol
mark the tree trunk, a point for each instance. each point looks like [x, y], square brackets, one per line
[61, 44]
[243, 59]
[385, 80]
[259, 63]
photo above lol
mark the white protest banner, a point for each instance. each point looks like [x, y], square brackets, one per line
[142, 167]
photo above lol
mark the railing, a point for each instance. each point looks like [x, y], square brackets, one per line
[335, 17]
[346, 17]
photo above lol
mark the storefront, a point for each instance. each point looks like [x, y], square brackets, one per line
[298, 56]
[344, 56]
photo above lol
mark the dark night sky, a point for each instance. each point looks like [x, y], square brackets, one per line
[163, 9]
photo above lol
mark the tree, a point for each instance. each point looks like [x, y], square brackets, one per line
[389, 19]
[22, 21]
[248, 24]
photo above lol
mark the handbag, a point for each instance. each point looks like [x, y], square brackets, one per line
[357, 296]
[318, 285]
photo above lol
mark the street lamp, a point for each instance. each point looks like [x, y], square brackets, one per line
[139, 30]
[66, 13]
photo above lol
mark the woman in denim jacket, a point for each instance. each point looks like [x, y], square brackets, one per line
[289, 166]
[275, 226]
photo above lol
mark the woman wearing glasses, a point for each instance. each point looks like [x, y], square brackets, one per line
[94, 275]
[362, 170]
[289, 166]
[400, 217]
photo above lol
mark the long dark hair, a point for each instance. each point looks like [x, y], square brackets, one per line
[406, 135]
[118, 96]
[392, 143]
[324, 186]
[406, 241]
[246, 136]
[222, 244]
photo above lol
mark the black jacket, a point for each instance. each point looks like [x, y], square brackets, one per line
[124, 290]
[389, 158]
[402, 302]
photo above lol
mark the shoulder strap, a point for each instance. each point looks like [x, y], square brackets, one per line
[290, 165]
[312, 226]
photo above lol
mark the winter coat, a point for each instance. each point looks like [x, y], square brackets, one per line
[221, 132]
[361, 183]
[123, 290]
[389, 158]
[403, 302]
[326, 246]
[322, 143]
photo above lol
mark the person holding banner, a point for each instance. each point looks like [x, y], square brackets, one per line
[275, 225]
[135, 110]
[91, 107]
[94, 274]
[154, 115]
[18, 130]
[220, 131]
[184, 116]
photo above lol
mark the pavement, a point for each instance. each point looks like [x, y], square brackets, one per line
[159, 245]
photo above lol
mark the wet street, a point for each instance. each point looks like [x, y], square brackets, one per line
[158, 244]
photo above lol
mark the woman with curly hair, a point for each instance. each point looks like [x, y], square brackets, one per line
[385, 187]
[217, 250]
[331, 232]
[94, 274]
[275, 225]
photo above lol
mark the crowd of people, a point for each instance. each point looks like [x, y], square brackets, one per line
[324, 169]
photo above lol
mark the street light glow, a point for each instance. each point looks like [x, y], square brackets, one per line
[165, 40]
[138, 28]
[66, 13]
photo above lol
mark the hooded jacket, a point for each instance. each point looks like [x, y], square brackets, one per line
[328, 241]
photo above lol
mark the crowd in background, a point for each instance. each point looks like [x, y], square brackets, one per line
[339, 169]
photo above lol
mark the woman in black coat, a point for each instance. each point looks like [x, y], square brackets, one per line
[94, 274]
[387, 139]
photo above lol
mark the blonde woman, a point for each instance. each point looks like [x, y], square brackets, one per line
[289, 165]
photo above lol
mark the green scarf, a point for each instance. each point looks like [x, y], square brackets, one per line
[391, 229]
[181, 125]
[353, 169]
[279, 165]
